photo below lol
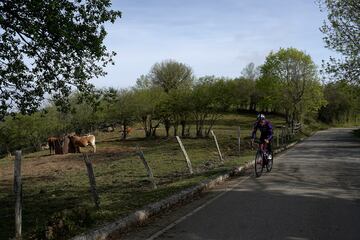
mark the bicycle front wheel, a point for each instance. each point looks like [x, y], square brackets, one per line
[258, 164]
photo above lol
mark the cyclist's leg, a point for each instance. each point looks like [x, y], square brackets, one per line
[269, 146]
[263, 145]
[269, 149]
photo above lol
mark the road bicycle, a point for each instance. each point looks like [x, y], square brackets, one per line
[263, 159]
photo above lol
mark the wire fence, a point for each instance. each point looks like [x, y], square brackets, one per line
[153, 166]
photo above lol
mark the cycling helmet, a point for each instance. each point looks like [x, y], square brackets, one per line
[260, 117]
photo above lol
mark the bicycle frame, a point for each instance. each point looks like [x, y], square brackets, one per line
[262, 151]
[263, 147]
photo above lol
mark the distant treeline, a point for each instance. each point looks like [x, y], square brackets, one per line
[171, 96]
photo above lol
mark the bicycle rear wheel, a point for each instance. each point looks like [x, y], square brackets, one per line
[270, 163]
[258, 164]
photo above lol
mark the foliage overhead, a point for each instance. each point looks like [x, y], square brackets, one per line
[342, 34]
[49, 47]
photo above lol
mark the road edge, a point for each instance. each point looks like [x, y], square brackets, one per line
[141, 216]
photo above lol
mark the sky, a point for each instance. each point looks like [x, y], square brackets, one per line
[214, 37]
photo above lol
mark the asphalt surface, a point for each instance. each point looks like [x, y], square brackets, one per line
[313, 192]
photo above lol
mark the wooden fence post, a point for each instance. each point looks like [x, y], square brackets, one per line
[217, 146]
[18, 194]
[185, 155]
[92, 181]
[277, 137]
[147, 166]
[239, 140]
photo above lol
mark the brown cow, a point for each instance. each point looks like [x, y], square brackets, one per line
[127, 132]
[54, 142]
[83, 142]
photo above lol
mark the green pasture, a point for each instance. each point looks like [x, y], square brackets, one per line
[57, 201]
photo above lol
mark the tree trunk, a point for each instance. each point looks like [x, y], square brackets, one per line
[8, 150]
[124, 130]
[211, 124]
[167, 126]
[183, 126]
[175, 130]
[153, 129]
[145, 125]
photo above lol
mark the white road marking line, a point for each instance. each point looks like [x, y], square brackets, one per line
[173, 224]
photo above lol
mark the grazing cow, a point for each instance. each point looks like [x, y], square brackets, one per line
[44, 146]
[55, 143]
[83, 142]
[125, 133]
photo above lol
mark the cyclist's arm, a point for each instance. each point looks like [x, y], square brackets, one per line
[253, 135]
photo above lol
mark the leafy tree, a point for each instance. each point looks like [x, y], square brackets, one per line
[170, 75]
[269, 93]
[146, 107]
[143, 82]
[342, 102]
[7, 136]
[49, 47]
[205, 106]
[250, 72]
[291, 74]
[29, 132]
[312, 101]
[342, 34]
[176, 106]
[86, 113]
[123, 110]
[106, 107]
[243, 92]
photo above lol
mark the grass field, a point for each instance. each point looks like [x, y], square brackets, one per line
[57, 202]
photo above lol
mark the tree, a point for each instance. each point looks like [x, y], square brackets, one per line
[342, 34]
[123, 110]
[49, 47]
[176, 107]
[290, 74]
[269, 94]
[143, 82]
[171, 74]
[205, 105]
[342, 102]
[250, 72]
[246, 94]
[146, 108]
[29, 132]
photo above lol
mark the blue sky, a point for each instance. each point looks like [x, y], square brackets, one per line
[214, 37]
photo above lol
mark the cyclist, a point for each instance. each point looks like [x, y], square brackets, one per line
[266, 131]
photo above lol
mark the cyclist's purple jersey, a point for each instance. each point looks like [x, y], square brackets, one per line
[266, 130]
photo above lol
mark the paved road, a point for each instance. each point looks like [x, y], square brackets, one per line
[312, 193]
